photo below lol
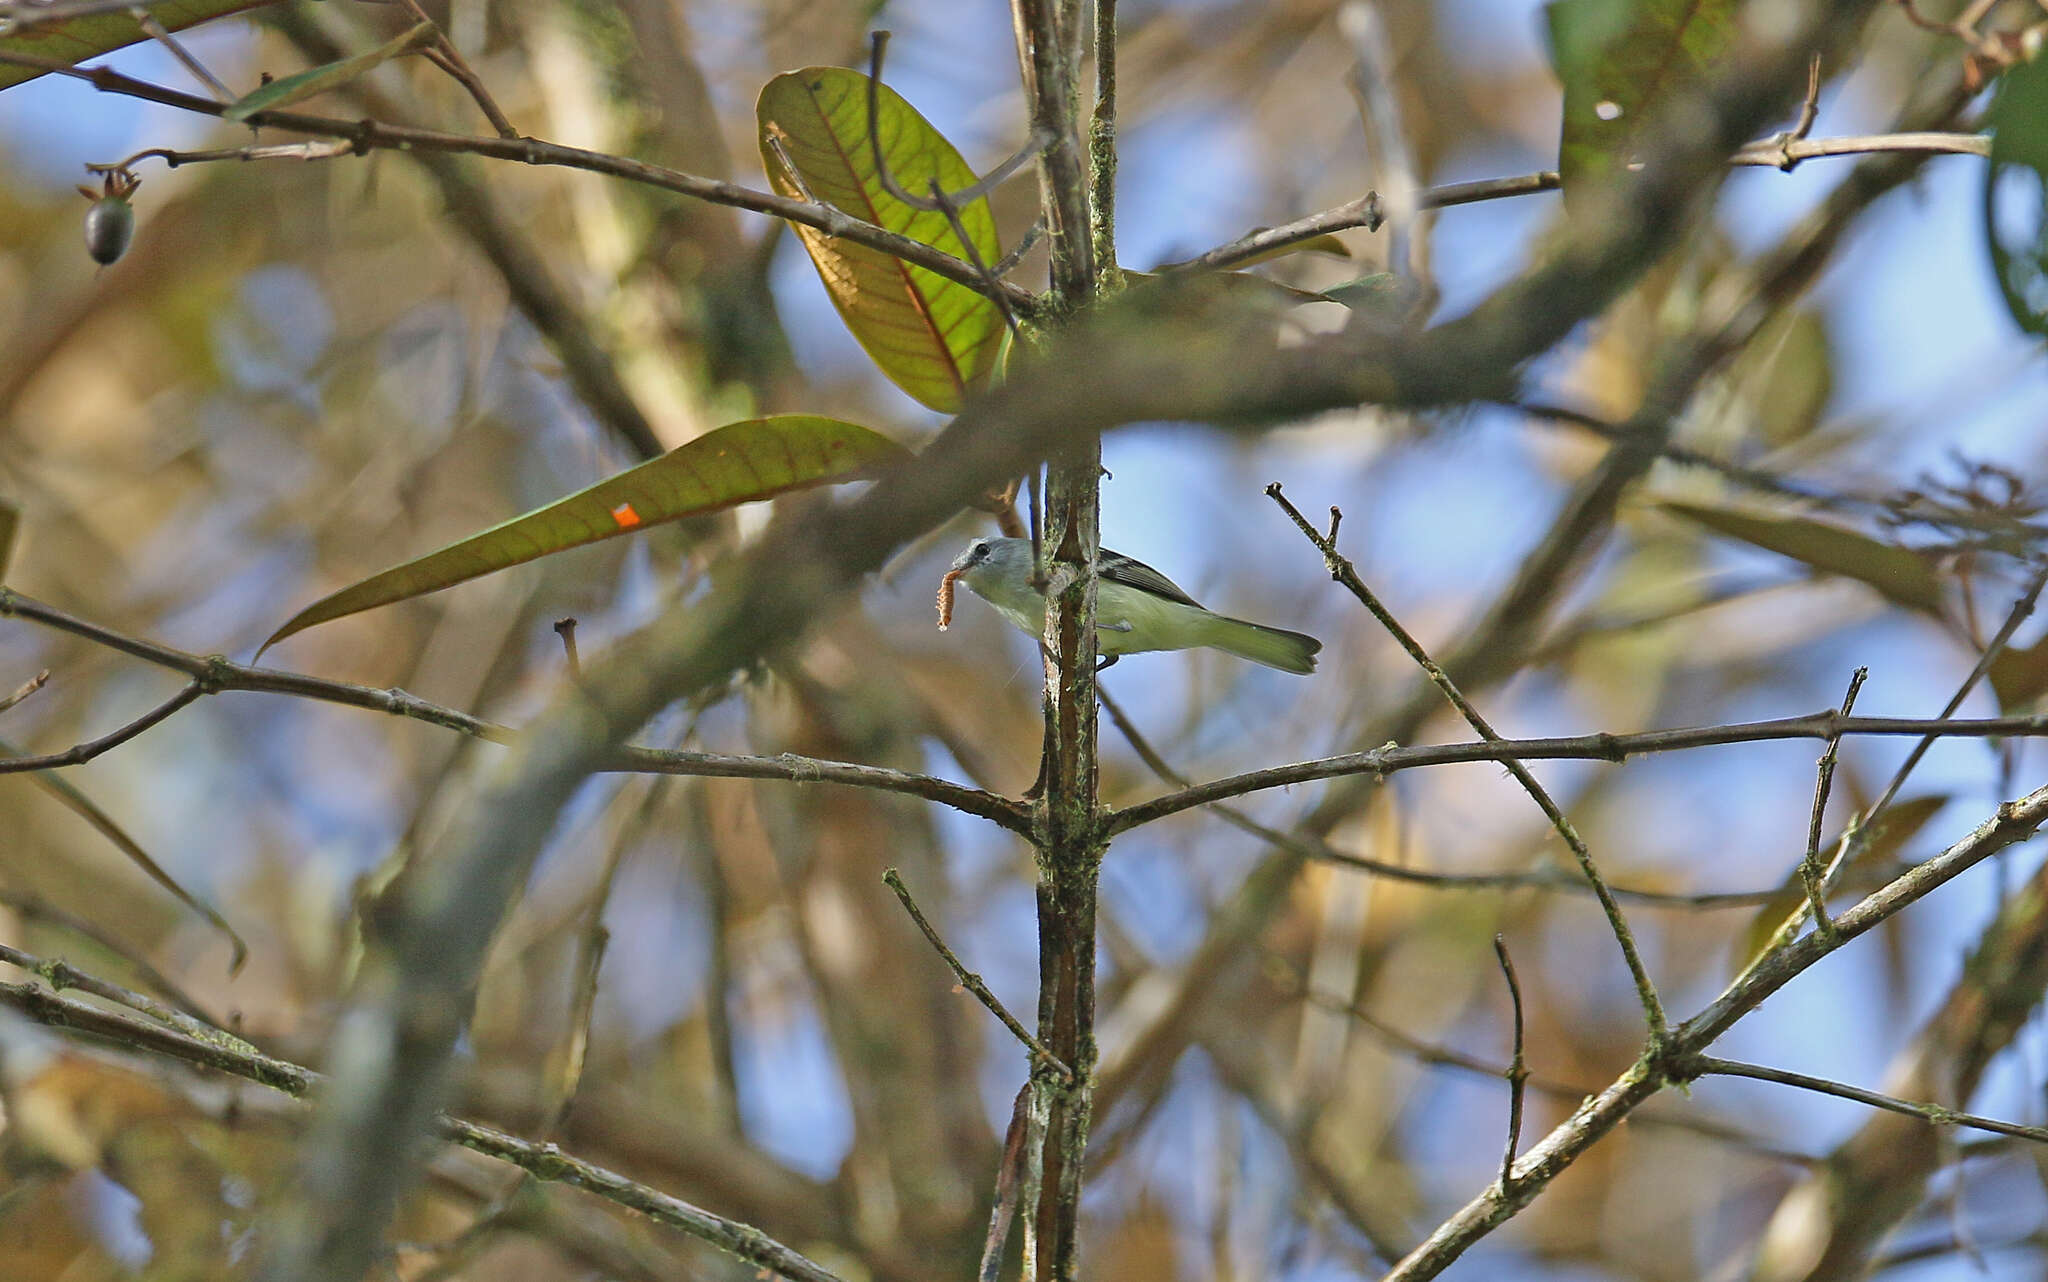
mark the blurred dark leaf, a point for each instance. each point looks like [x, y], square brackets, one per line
[935, 339]
[2019, 677]
[61, 790]
[2016, 194]
[318, 80]
[10, 521]
[76, 39]
[1617, 59]
[738, 463]
[1900, 574]
[1790, 376]
[1899, 824]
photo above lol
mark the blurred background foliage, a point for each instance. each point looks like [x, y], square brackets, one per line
[302, 373]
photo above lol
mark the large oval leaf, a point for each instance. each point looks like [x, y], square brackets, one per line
[73, 40]
[935, 339]
[737, 463]
[1616, 59]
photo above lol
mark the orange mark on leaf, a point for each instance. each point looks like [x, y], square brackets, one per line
[625, 516]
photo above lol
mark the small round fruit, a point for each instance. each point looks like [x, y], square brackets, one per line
[109, 226]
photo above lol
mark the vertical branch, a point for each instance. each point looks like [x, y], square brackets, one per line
[1518, 1069]
[1068, 827]
[1102, 143]
[1810, 872]
[1043, 46]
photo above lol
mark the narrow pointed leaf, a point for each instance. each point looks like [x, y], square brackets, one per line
[318, 80]
[935, 339]
[738, 463]
[1617, 60]
[61, 790]
[1901, 574]
[74, 40]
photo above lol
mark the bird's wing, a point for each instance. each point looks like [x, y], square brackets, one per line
[1118, 568]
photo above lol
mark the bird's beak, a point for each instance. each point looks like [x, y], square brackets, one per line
[963, 561]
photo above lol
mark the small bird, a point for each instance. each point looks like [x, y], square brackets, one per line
[1136, 608]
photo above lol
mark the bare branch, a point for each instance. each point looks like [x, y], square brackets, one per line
[1517, 1071]
[214, 674]
[1708, 1066]
[369, 135]
[972, 982]
[1346, 574]
[1810, 873]
[1594, 747]
[2015, 821]
[541, 1161]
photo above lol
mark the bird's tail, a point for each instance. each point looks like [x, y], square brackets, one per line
[1275, 647]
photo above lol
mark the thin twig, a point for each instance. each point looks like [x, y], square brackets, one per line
[452, 62]
[1346, 574]
[1810, 872]
[332, 149]
[939, 199]
[2014, 821]
[1708, 1066]
[1788, 153]
[161, 34]
[79, 754]
[1749, 477]
[1309, 846]
[1434, 1055]
[369, 135]
[60, 975]
[1367, 211]
[1517, 1071]
[1029, 241]
[973, 982]
[25, 689]
[1857, 833]
[543, 1161]
[213, 674]
[33, 908]
[1594, 747]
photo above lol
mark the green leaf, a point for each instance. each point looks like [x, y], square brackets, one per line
[935, 339]
[2016, 194]
[1900, 574]
[318, 80]
[1383, 296]
[1617, 59]
[1899, 824]
[76, 39]
[2019, 677]
[61, 790]
[738, 463]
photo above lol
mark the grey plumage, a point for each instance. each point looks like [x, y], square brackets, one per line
[1136, 608]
